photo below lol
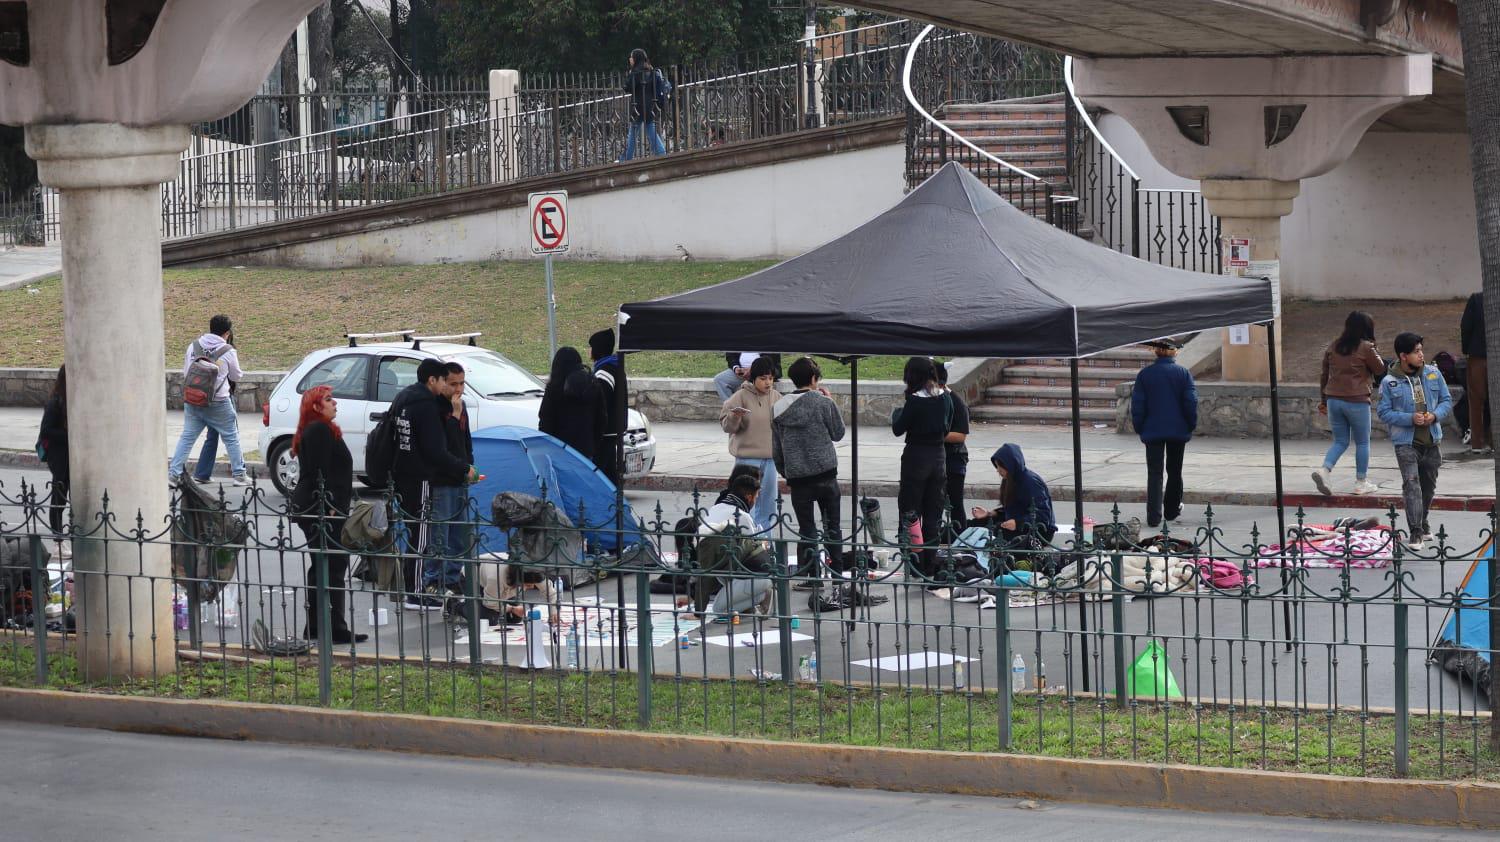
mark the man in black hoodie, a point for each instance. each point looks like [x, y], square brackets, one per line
[445, 576]
[804, 426]
[424, 473]
[610, 373]
[1476, 381]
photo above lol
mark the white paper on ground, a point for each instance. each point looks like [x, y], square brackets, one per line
[910, 661]
[767, 638]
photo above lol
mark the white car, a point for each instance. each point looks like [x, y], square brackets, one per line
[365, 378]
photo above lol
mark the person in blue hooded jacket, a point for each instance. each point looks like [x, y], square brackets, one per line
[1025, 514]
[1164, 408]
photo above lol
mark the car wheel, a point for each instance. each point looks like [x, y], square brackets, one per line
[284, 466]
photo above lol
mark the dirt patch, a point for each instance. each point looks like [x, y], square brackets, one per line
[1308, 327]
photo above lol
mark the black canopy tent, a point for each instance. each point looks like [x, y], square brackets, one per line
[952, 269]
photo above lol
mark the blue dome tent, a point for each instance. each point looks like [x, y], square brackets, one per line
[531, 462]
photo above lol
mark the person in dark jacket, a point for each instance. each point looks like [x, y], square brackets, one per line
[320, 504]
[573, 407]
[422, 461]
[444, 578]
[804, 426]
[1476, 381]
[1350, 365]
[925, 420]
[1164, 408]
[609, 371]
[1025, 514]
[648, 90]
[52, 444]
[958, 455]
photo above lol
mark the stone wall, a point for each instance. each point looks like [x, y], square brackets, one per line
[29, 387]
[1244, 410]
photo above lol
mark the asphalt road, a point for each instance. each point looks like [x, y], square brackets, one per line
[75, 784]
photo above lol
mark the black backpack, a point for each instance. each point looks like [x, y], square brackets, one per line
[380, 448]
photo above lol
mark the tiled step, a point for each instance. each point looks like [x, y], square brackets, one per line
[1048, 415]
[1044, 141]
[1018, 155]
[1064, 393]
[1007, 126]
[1052, 375]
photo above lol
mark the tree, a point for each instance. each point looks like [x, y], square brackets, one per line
[359, 51]
[1479, 24]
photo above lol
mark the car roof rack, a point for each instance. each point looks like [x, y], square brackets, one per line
[416, 341]
[404, 335]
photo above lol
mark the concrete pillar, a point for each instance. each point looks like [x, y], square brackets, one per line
[108, 177]
[505, 108]
[1250, 209]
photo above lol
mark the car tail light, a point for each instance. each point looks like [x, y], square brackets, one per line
[265, 414]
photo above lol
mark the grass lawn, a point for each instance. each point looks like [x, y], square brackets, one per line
[1339, 742]
[281, 314]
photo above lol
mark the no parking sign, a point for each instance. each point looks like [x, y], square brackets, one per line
[549, 222]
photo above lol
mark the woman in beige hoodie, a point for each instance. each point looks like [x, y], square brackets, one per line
[746, 417]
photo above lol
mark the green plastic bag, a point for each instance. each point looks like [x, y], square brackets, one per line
[1151, 676]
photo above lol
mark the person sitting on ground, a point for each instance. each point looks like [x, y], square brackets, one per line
[503, 592]
[1024, 517]
[733, 562]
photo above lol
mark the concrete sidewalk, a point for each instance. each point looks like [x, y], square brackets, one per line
[22, 265]
[1217, 471]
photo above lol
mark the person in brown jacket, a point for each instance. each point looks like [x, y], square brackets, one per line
[1350, 366]
[747, 417]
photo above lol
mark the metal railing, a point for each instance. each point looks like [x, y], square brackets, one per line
[30, 219]
[1212, 648]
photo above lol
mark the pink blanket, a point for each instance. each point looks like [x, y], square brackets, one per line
[1321, 545]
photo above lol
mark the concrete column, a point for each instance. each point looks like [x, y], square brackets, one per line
[505, 108]
[1250, 209]
[108, 176]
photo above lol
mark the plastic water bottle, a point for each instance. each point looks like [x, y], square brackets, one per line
[1018, 674]
[804, 669]
[958, 675]
[1041, 675]
[812, 667]
[572, 646]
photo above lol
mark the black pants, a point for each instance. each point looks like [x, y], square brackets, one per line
[338, 576]
[957, 518]
[60, 480]
[412, 498]
[1157, 453]
[924, 476]
[824, 493]
[606, 457]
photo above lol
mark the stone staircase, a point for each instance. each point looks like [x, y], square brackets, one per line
[1040, 391]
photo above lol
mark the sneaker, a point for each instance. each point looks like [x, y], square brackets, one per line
[1364, 486]
[422, 602]
[1320, 479]
[807, 584]
[241, 480]
[1415, 543]
[203, 480]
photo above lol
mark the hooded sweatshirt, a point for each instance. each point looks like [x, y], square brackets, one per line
[804, 426]
[749, 433]
[229, 364]
[1032, 505]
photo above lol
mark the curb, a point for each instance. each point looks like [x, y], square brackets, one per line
[885, 488]
[1451, 804]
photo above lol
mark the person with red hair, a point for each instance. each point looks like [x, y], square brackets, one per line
[320, 504]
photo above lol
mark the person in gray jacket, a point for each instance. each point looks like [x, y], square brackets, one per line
[804, 426]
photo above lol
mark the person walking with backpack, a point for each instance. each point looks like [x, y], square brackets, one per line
[1164, 409]
[573, 407]
[1350, 366]
[320, 504]
[925, 419]
[1414, 403]
[747, 417]
[52, 448]
[422, 461]
[209, 367]
[648, 90]
[804, 426]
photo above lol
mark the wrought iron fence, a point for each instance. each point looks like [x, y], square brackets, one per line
[1322, 652]
[30, 219]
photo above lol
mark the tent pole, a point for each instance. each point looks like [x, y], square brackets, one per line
[1083, 611]
[1286, 605]
[622, 402]
[854, 447]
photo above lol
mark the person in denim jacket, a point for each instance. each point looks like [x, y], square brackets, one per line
[1415, 418]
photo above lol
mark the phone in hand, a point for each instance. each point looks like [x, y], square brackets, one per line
[740, 410]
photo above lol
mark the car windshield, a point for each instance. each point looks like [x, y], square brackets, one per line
[489, 374]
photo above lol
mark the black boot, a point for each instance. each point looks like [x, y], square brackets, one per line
[339, 622]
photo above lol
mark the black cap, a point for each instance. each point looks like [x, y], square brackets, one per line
[1168, 344]
[602, 344]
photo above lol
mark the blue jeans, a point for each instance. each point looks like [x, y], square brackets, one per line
[205, 469]
[218, 416]
[726, 383]
[1349, 418]
[764, 513]
[447, 537]
[649, 126]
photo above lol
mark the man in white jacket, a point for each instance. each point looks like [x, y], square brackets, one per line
[741, 565]
[218, 413]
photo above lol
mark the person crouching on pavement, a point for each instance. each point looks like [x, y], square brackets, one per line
[1414, 403]
[1164, 408]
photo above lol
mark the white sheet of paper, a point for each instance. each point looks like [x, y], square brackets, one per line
[910, 661]
[769, 637]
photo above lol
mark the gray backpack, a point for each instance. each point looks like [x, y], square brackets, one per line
[201, 380]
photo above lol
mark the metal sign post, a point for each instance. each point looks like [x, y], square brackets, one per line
[549, 235]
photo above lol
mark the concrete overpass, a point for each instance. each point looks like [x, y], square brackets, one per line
[1153, 28]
